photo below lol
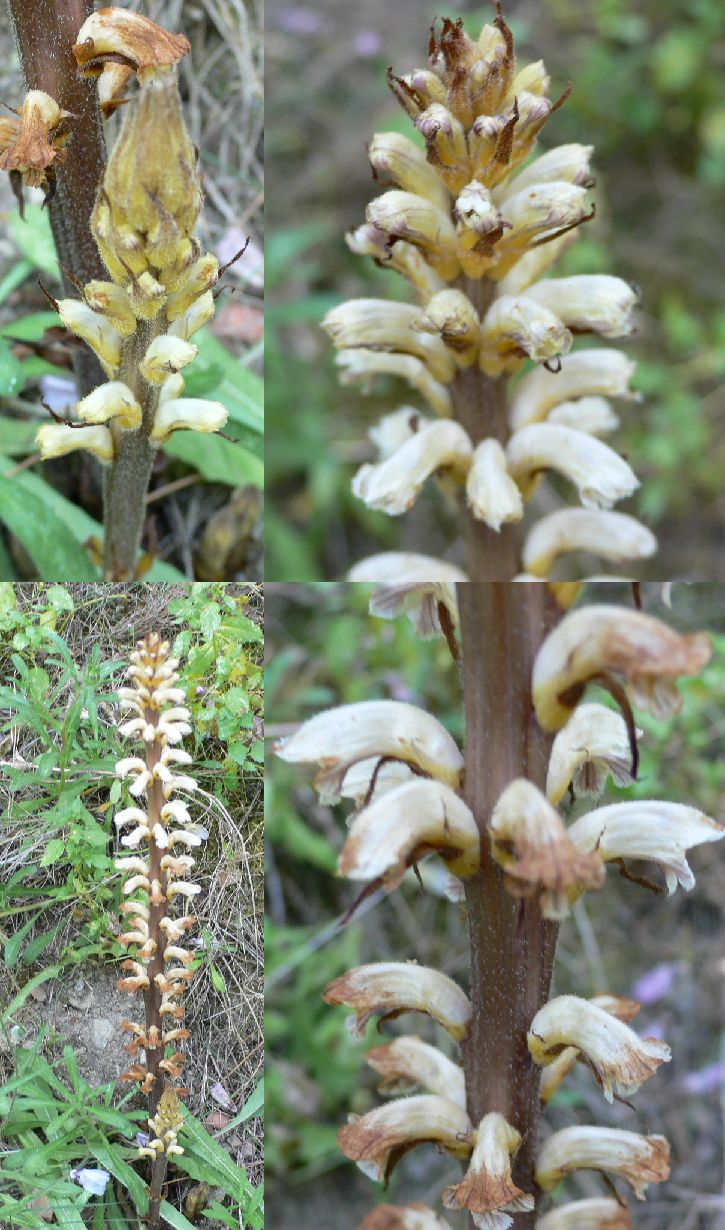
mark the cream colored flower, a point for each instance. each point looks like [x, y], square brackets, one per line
[588, 302]
[603, 371]
[647, 829]
[487, 1188]
[397, 158]
[339, 738]
[409, 1063]
[593, 744]
[450, 315]
[559, 1068]
[114, 35]
[165, 356]
[365, 365]
[600, 475]
[405, 567]
[379, 324]
[110, 401]
[394, 484]
[373, 777]
[391, 987]
[596, 640]
[640, 1160]
[95, 329]
[530, 843]
[493, 496]
[419, 600]
[377, 1140]
[567, 163]
[404, 825]
[591, 414]
[596, 1213]
[57, 439]
[516, 327]
[187, 413]
[620, 1060]
[611, 535]
[399, 1217]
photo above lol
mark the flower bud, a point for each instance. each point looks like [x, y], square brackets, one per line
[395, 157]
[195, 318]
[451, 316]
[599, 639]
[394, 484]
[110, 401]
[95, 329]
[165, 356]
[195, 281]
[611, 535]
[391, 987]
[649, 829]
[585, 372]
[493, 496]
[405, 566]
[409, 1063]
[565, 163]
[403, 826]
[588, 303]
[515, 328]
[403, 215]
[531, 844]
[377, 1140]
[640, 1160]
[596, 1213]
[112, 302]
[57, 439]
[593, 744]
[600, 475]
[619, 1059]
[192, 413]
[488, 1188]
[339, 738]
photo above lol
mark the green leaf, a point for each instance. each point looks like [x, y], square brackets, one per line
[241, 391]
[254, 1105]
[217, 980]
[12, 376]
[53, 851]
[17, 436]
[216, 459]
[14, 944]
[60, 598]
[30, 328]
[35, 240]
[173, 1217]
[44, 534]
[51, 971]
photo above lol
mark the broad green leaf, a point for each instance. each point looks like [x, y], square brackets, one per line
[60, 598]
[44, 534]
[216, 458]
[17, 436]
[17, 1002]
[173, 1217]
[241, 391]
[30, 328]
[217, 980]
[13, 946]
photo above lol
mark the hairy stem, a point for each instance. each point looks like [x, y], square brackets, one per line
[152, 997]
[512, 946]
[45, 31]
[480, 406]
[156, 1186]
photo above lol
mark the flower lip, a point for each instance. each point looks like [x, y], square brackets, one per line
[600, 475]
[388, 988]
[422, 601]
[393, 730]
[404, 824]
[377, 1140]
[620, 1060]
[640, 1160]
[600, 640]
[612, 535]
[592, 744]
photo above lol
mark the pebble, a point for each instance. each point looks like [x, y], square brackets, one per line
[101, 1032]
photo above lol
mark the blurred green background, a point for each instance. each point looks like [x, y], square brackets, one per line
[323, 649]
[648, 95]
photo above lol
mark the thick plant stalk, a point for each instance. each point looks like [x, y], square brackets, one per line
[512, 945]
[139, 322]
[45, 31]
[155, 880]
[475, 228]
[492, 816]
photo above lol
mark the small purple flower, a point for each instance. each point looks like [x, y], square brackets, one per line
[296, 19]
[141, 1139]
[367, 43]
[706, 1080]
[655, 984]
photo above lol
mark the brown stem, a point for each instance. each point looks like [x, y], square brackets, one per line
[512, 946]
[156, 1191]
[480, 406]
[45, 31]
[152, 997]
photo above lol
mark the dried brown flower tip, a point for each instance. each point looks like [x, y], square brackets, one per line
[403, 1217]
[378, 1140]
[597, 1213]
[638, 1159]
[115, 36]
[487, 1187]
[408, 1063]
[35, 141]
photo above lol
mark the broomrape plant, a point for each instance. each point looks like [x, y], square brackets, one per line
[496, 816]
[474, 227]
[139, 321]
[159, 828]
